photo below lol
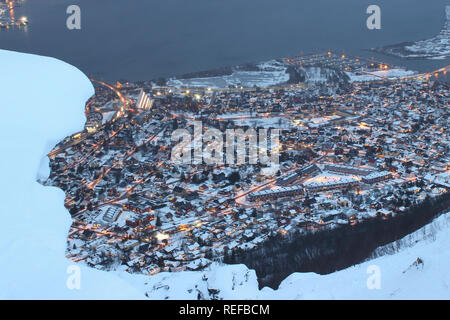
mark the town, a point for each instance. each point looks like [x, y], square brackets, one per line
[8, 17]
[368, 142]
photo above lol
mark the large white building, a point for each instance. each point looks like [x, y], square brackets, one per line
[144, 102]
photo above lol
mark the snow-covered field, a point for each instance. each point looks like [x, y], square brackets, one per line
[435, 48]
[270, 73]
[42, 102]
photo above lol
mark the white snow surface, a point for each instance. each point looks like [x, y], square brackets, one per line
[42, 101]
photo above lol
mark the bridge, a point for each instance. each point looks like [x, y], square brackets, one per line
[428, 75]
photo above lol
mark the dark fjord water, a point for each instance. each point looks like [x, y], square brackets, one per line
[140, 40]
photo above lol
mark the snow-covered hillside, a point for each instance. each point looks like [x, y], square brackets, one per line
[42, 101]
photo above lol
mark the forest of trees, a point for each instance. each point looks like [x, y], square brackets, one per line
[331, 250]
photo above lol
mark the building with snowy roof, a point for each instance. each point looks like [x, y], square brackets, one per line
[276, 193]
[376, 177]
[348, 169]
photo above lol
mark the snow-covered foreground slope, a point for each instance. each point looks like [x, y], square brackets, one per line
[399, 278]
[42, 101]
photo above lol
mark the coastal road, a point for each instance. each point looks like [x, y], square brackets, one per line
[83, 135]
